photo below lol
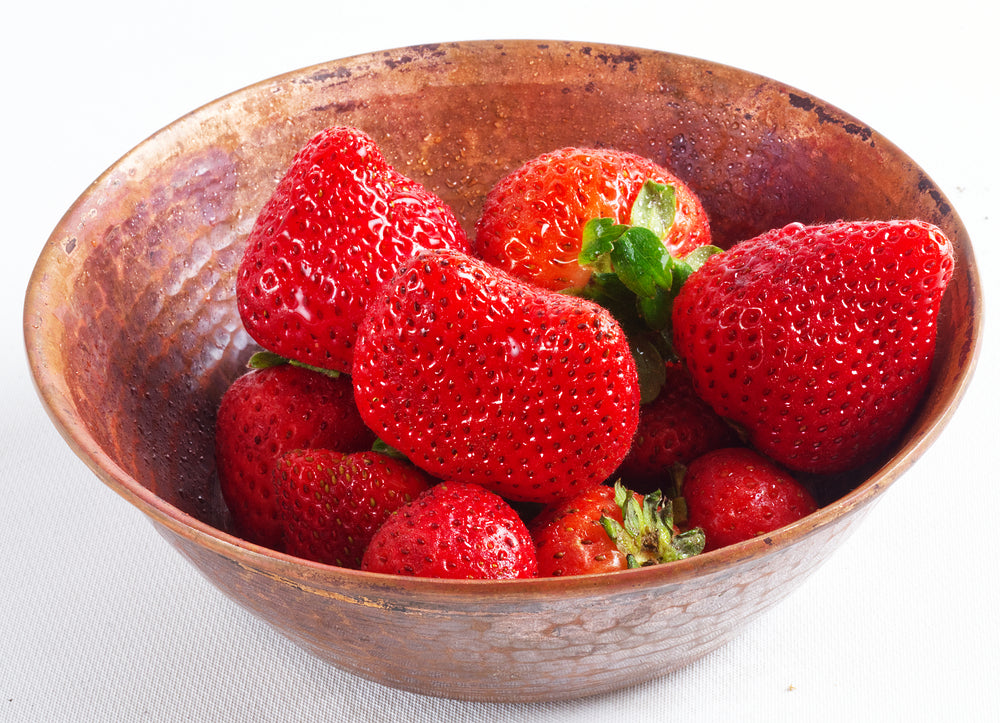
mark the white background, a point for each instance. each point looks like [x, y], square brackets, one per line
[101, 620]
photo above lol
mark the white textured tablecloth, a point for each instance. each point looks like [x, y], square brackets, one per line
[100, 620]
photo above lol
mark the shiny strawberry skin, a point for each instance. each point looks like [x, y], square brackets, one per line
[262, 415]
[476, 376]
[454, 530]
[532, 219]
[736, 494]
[817, 340]
[331, 503]
[674, 428]
[570, 539]
[336, 227]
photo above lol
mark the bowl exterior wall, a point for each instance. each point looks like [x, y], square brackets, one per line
[584, 638]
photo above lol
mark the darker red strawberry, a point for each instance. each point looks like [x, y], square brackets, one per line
[608, 528]
[336, 227]
[675, 428]
[331, 503]
[817, 340]
[454, 530]
[265, 413]
[476, 376]
[533, 219]
[737, 494]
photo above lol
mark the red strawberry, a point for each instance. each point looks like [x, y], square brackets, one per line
[737, 494]
[454, 530]
[264, 414]
[675, 428]
[331, 503]
[532, 220]
[476, 376]
[337, 226]
[607, 528]
[817, 340]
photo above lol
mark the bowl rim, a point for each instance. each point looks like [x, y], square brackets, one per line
[189, 527]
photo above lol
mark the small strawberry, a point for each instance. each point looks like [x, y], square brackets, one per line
[532, 219]
[454, 530]
[675, 428]
[265, 413]
[476, 376]
[336, 227]
[608, 528]
[331, 503]
[817, 340]
[737, 494]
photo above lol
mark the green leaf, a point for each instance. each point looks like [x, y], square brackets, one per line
[655, 208]
[656, 310]
[694, 260]
[599, 237]
[642, 262]
[383, 448]
[267, 359]
[689, 543]
[649, 365]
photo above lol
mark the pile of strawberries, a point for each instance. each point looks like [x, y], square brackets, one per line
[586, 385]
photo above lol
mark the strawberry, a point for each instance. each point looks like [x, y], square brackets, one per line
[331, 503]
[606, 528]
[817, 340]
[533, 218]
[453, 530]
[736, 494]
[476, 376]
[336, 227]
[265, 413]
[675, 428]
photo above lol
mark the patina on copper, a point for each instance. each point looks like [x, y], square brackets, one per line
[132, 336]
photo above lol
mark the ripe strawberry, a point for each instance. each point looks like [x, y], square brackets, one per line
[265, 413]
[331, 503]
[454, 530]
[608, 528]
[675, 428]
[476, 376]
[333, 232]
[532, 219]
[817, 340]
[736, 494]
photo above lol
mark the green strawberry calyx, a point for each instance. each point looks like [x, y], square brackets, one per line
[267, 359]
[647, 535]
[636, 278]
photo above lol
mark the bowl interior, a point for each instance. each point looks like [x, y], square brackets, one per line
[130, 318]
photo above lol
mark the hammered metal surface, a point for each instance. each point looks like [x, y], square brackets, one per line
[132, 335]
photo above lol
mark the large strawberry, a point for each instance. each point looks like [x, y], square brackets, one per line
[736, 494]
[533, 218]
[606, 528]
[265, 413]
[336, 227]
[479, 377]
[331, 503]
[453, 530]
[817, 340]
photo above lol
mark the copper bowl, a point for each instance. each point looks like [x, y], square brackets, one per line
[132, 334]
